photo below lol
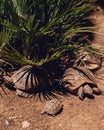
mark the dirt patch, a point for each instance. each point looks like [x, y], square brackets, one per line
[76, 114]
[98, 20]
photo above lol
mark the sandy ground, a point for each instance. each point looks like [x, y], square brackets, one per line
[76, 114]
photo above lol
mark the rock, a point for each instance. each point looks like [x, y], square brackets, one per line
[25, 124]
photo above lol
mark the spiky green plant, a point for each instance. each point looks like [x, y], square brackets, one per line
[36, 32]
[32, 25]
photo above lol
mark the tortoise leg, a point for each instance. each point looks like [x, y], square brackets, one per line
[23, 94]
[88, 90]
[80, 93]
[43, 112]
[96, 90]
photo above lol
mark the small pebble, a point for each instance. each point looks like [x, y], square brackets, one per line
[25, 124]
[60, 125]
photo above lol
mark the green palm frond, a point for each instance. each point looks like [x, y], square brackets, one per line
[21, 7]
[31, 23]
[5, 37]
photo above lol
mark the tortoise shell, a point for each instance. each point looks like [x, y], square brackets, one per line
[90, 60]
[52, 107]
[75, 77]
[29, 77]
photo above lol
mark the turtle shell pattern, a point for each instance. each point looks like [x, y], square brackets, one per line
[91, 61]
[27, 78]
[19, 78]
[52, 107]
[73, 78]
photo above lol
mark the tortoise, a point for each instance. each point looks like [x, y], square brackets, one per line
[28, 79]
[52, 107]
[80, 81]
[86, 59]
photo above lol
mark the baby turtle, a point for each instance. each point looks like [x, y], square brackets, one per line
[52, 107]
[27, 79]
[80, 81]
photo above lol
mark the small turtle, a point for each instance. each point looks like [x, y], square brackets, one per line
[52, 107]
[26, 79]
[80, 81]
